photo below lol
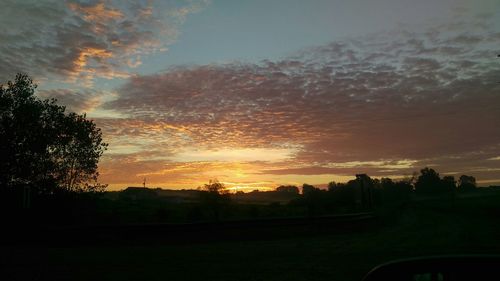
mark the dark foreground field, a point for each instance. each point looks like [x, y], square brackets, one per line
[467, 226]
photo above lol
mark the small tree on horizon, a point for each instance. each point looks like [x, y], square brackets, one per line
[428, 181]
[214, 196]
[307, 188]
[448, 183]
[467, 183]
[214, 186]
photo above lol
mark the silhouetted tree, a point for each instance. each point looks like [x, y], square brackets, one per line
[42, 146]
[306, 188]
[448, 184]
[312, 199]
[395, 193]
[288, 189]
[216, 187]
[332, 186]
[342, 196]
[365, 185]
[467, 183]
[214, 196]
[387, 183]
[428, 182]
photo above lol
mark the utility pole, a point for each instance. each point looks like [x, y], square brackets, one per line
[144, 183]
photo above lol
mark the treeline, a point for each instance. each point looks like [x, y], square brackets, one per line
[213, 201]
[366, 193]
[428, 182]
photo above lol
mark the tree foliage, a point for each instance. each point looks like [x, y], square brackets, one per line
[343, 195]
[467, 183]
[428, 181]
[43, 146]
[395, 192]
[448, 184]
[214, 186]
[214, 197]
[307, 188]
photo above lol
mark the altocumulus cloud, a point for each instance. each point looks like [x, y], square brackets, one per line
[81, 40]
[388, 103]
[81, 101]
[383, 104]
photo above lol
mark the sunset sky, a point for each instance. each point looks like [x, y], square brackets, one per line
[261, 93]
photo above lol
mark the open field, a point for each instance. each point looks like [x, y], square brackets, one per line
[470, 225]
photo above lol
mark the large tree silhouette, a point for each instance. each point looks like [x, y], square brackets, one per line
[42, 146]
[429, 182]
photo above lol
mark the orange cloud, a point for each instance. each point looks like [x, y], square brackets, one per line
[90, 53]
[97, 13]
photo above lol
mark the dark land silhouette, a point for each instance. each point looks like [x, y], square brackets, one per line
[60, 223]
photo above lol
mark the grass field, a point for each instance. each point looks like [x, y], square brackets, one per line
[467, 226]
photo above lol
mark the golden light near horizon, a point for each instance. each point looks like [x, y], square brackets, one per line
[247, 188]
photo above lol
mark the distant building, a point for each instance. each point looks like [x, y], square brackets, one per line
[138, 193]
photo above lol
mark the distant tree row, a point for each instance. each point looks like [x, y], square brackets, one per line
[428, 182]
[363, 192]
